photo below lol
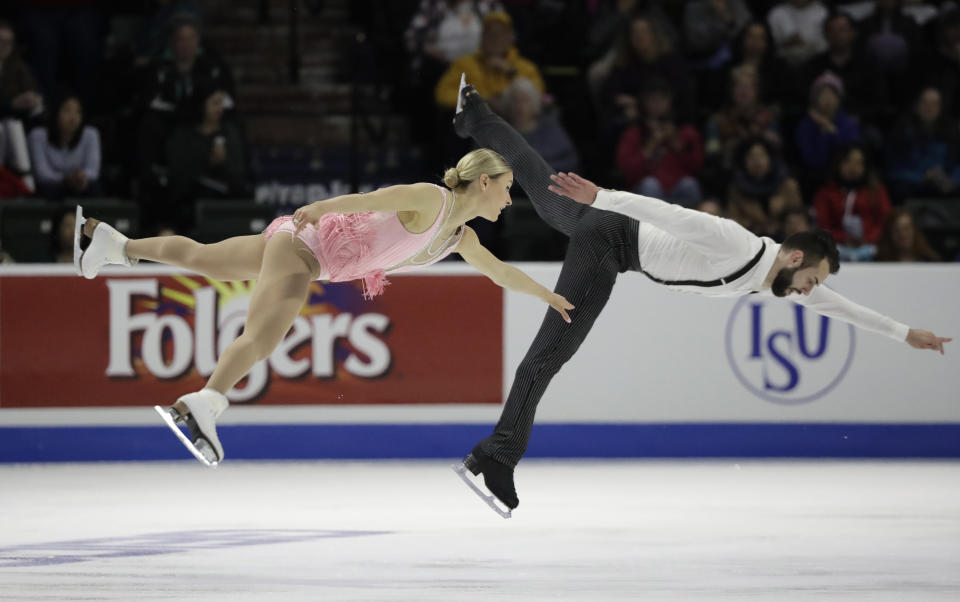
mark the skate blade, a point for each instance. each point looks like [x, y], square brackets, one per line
[77, 235]
[198, 452]
[490, 499]
[463, 84]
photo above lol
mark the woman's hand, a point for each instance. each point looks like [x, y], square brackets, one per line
[559, 303]
[308, 214]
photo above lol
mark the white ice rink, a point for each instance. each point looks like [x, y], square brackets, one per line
[657, 530]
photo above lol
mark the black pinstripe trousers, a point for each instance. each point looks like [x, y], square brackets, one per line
[602, 245]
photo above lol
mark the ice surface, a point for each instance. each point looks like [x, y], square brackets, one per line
[625, 530]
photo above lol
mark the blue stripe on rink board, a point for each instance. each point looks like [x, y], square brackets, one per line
[353, 441]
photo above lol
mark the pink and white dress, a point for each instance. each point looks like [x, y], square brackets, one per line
[366, 246]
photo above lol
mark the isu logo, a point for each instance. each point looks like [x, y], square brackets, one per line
[203, 321]
[785, 354]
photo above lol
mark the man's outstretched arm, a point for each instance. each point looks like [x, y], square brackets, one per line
[830, 303]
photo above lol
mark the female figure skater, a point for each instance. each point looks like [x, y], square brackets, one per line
[355, 236]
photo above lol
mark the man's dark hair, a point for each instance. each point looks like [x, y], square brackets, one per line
[816, 245]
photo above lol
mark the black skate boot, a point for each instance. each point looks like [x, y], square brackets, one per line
[497, 477]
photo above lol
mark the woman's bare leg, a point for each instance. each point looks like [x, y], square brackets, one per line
[236, 258]
[280, 292]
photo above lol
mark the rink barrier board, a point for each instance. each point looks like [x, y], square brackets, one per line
[867, 396]
[383, 441]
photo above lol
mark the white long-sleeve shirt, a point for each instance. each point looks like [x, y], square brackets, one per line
[678, 244]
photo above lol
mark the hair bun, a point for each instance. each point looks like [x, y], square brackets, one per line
[451, 177]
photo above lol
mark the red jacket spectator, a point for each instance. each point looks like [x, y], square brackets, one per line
[678, 154]
[869, 202]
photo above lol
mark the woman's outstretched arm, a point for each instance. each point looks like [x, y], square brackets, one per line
[405, 197]
[507, 276]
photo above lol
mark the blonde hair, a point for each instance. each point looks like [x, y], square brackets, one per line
[474, 163]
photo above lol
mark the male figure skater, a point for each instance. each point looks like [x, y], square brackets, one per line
[612, 232]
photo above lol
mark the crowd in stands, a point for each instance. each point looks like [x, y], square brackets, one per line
[782, 115]
[158, 104]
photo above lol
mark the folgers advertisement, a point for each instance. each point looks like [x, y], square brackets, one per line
[145, 340]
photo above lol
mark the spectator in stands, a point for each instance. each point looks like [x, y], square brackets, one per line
[18, 88]
[825, 127]
[761, 189]
[941, 69]
[923, 151]
[66, 153]
[606, 24]
[755, 48]
[523, 108]
[853, 205]
[863, 83]
[901, 240]
[205, 160]
[644, 55]
[797, 29]
[62, 236]
[188, 66]
[19, 102]
[441, 31]
[608, 32]
[795, 219]
[891, 39]
[64, 40]
[711, 26]
[490, 69]
[744, 116]
[154, 31]
[657, 156]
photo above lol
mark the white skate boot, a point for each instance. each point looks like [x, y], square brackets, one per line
[204, 407]
[106, 247]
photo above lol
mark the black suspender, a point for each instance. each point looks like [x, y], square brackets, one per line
[718, 282]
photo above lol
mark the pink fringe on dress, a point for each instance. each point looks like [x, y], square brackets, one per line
[374, 283]
[341, 243]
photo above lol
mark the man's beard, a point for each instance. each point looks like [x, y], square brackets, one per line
[783, 281]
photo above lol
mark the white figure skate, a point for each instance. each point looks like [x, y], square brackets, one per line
[204, 407]
[106, 247]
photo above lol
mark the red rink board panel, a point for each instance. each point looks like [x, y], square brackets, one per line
[143, 340]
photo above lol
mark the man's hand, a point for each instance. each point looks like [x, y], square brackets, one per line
[921, 339]
[574, 187]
